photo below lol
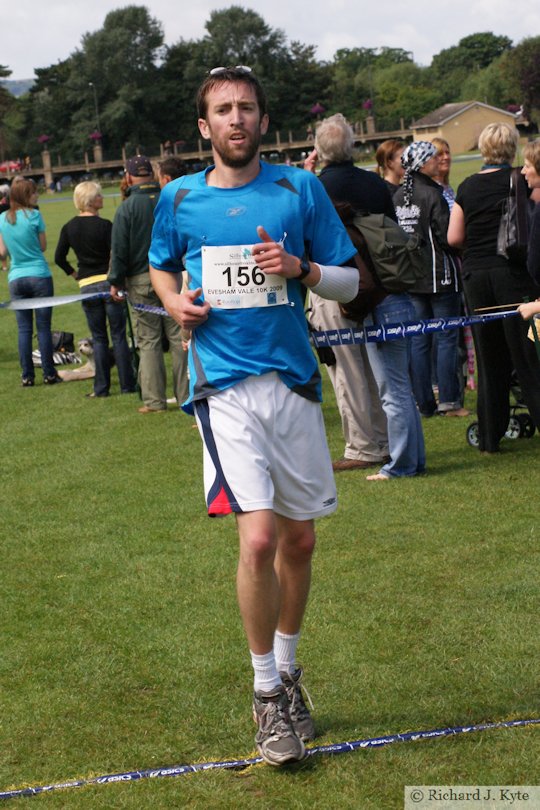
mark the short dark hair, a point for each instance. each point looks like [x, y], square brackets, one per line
[172, 166]
[236, 76]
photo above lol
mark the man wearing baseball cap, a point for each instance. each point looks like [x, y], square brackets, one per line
[129, 272]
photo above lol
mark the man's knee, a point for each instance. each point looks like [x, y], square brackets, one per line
[297, 546]
[257, 548]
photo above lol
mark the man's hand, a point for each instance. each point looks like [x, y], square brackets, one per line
[527, 311]
[184, 310]
[272, 258]
[117, 294]
[310, 163]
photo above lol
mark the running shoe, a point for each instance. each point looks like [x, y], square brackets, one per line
[298, 711]
[276, 739]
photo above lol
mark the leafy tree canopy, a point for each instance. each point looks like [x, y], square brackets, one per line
[125, 82]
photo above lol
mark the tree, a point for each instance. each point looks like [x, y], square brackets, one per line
[403, 91]
[5, 105]
[179, 76]
[495, 85]
[111, 77]
[143, 93]
[355, 73]
[299, 83]
[523, 66]
[238, 36]
[453, 66]
[292, 77]
[121, 62]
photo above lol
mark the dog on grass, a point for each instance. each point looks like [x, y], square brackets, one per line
[85, 347]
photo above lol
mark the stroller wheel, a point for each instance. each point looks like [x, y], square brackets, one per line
[472, 434]
[527, 426]
[513, 431]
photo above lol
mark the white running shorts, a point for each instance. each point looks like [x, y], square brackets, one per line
[265, 448]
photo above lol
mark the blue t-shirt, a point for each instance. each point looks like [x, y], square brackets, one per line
[22, 241]
[236, 343]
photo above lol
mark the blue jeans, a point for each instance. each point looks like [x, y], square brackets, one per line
[390, 365]
[34, 287]
[446, 346]
[98, 311]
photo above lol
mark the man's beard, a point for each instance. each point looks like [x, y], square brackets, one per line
[232, 159]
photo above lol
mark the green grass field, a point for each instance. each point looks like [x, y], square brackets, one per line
[122, 647]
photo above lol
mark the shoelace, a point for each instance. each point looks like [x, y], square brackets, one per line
[298, 706]
[275, 720]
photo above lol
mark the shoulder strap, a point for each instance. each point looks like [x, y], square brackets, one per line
[520, 194]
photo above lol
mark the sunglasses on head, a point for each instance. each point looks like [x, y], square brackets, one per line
[238, 68]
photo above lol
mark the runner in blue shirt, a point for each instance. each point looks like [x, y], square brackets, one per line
[252, 237]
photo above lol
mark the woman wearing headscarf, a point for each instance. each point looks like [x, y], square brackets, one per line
[491, 280]
[422, 209]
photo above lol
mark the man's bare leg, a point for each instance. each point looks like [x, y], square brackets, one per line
[295, 545]
[256, 581]
[274, 573]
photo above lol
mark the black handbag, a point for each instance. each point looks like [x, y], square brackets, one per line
[63, 341]
[513, 234]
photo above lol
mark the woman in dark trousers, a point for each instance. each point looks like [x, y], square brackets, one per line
[23, 239]
[422, 209]
[89, 236]
[490, 280]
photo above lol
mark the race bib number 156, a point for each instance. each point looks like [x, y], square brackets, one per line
[232, 280]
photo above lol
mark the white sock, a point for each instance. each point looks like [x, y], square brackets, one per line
[266, 674]
[285, 651]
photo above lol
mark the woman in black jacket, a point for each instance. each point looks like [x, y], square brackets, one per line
[421, 208]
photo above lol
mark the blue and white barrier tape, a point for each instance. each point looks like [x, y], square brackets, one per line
[395, 331]
[331, 337]
[337, 748]
[48, 301]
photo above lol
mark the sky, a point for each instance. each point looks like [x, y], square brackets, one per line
[38, 34]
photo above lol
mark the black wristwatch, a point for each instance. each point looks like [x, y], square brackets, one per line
[305, 269]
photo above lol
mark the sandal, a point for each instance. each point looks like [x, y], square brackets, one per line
[55, 378]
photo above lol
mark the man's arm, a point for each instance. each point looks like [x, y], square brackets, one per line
[335, 283]
[456, 228]
[119, 254]
[180, 306]
[439, 220]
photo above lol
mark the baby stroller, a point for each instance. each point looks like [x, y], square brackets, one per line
[520, 425]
